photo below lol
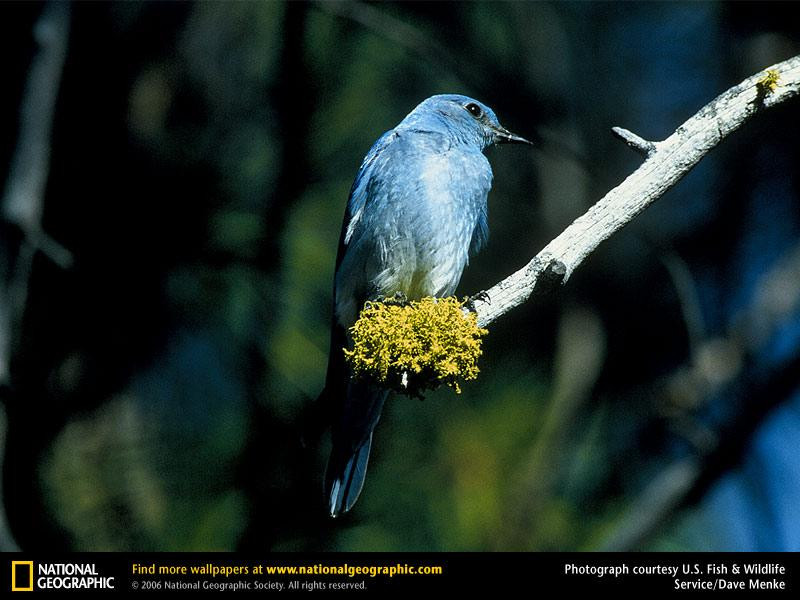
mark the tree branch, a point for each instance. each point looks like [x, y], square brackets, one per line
[666, 162]
[23, 200]
[24, 194]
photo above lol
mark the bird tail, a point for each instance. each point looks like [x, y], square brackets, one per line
[362, 404]
[354, 410]
[344, 478]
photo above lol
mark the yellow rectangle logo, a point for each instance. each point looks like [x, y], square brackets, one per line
[17, 568]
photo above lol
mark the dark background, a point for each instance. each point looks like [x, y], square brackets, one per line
[161, 386]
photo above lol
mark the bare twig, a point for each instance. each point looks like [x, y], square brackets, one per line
[23, 200]
[642, 146]
[666, 163]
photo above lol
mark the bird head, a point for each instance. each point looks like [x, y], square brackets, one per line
[464, 118]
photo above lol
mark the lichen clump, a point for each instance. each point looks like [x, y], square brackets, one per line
[418, 345]
[769, 82]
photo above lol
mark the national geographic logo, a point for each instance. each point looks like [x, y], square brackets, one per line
[25, 577]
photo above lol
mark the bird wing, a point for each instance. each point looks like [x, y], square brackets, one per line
[358, 193]
[390, 143]
[350, 286]
[480, 234]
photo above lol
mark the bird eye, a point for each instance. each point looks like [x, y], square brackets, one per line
[474, 109]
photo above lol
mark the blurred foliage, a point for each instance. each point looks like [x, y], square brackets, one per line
[165, 389]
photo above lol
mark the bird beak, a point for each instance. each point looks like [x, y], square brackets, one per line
[504, 136]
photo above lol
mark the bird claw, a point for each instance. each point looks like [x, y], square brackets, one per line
[398, 299]
[482, 296]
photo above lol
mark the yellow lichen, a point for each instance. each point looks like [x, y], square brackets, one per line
[768, 83]
[418, 345]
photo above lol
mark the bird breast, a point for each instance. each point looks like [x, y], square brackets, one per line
[425, 250]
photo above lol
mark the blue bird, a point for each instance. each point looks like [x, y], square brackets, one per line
[417, 210]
